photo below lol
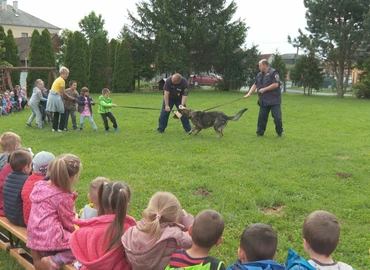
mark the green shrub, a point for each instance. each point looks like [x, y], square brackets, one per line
[361, 90]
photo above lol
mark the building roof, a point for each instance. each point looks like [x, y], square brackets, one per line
[289, 56]
[18, 17]
[24, 45]
[265, 56]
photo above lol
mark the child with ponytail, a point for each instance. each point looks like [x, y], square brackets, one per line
[50, 223]
[97, 243]
[162, 230]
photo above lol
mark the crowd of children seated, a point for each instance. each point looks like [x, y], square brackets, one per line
[104, 236]
[13, 101]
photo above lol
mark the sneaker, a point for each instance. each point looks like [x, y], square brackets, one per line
[66, 129]
[160, 131]
[75, 128]
[81, 128]
[107, 130]
[59, 130]
[28, 125]
[53, 130]
[116, 129]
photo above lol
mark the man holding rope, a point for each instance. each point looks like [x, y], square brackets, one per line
[176, 89]
[267, 84]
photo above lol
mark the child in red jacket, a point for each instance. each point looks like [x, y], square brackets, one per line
[97, 243]
[40, 166]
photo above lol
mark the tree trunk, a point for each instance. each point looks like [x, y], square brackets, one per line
[138, 84]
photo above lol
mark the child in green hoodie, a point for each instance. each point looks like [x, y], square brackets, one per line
[105, 105]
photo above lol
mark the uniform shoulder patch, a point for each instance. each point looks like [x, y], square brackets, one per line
[277, 78]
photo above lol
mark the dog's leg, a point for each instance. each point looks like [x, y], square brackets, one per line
[191, 131]
[197, 131]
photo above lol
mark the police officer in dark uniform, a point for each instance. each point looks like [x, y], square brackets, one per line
[176, 89]
[267, 84]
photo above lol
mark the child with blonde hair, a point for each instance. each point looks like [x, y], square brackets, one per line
[52, 212]
[91, 210]
[162, 230]
[9, 142]
[97, 243]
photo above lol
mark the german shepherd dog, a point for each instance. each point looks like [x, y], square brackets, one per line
[203, 120]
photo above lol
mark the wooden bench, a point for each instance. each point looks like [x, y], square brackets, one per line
[10, 243]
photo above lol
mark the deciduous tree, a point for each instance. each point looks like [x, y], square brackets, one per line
[92, 26]
[336, 31]
[307, 73]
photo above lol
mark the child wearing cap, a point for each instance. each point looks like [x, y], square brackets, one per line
[40, 166]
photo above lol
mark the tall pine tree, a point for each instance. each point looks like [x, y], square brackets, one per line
[11, 56]
[98, 64]
[112, 60]
[35, 60]
[76, 58]
[123, 71]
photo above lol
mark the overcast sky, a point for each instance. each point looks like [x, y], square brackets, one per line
[270, 21]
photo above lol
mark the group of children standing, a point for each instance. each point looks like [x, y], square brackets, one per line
[73, 101]
[106, 237]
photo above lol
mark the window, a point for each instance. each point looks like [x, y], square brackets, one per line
[24, 35]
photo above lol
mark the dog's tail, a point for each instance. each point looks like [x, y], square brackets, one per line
[238, 115]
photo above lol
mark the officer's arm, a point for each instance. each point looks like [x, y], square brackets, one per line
[183, 100]
[166, 98]
[251, 91]
[270, 87]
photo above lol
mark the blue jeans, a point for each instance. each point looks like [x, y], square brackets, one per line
[91, 119]
[263, 118]
[163, 117]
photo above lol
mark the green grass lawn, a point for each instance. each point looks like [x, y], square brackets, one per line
[322, 162]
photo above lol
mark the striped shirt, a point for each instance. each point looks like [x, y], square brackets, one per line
[180, 258]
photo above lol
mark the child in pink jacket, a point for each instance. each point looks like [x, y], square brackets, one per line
[52, 212]
[97, 243]
[162, 230]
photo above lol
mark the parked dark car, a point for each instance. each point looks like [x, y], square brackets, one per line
[204, 79]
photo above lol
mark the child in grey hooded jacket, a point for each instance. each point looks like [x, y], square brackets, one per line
[34, 103]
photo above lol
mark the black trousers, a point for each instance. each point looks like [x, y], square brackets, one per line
[56, 121]
[263, 118]
[109, 115]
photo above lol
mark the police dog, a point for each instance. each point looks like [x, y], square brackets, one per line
[203, 120]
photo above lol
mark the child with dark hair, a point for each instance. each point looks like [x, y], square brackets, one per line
[206, 232]
[70, 105]
[257, 249]
[84, 102]
[321, 232]
[21, 162]
[97, 243]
